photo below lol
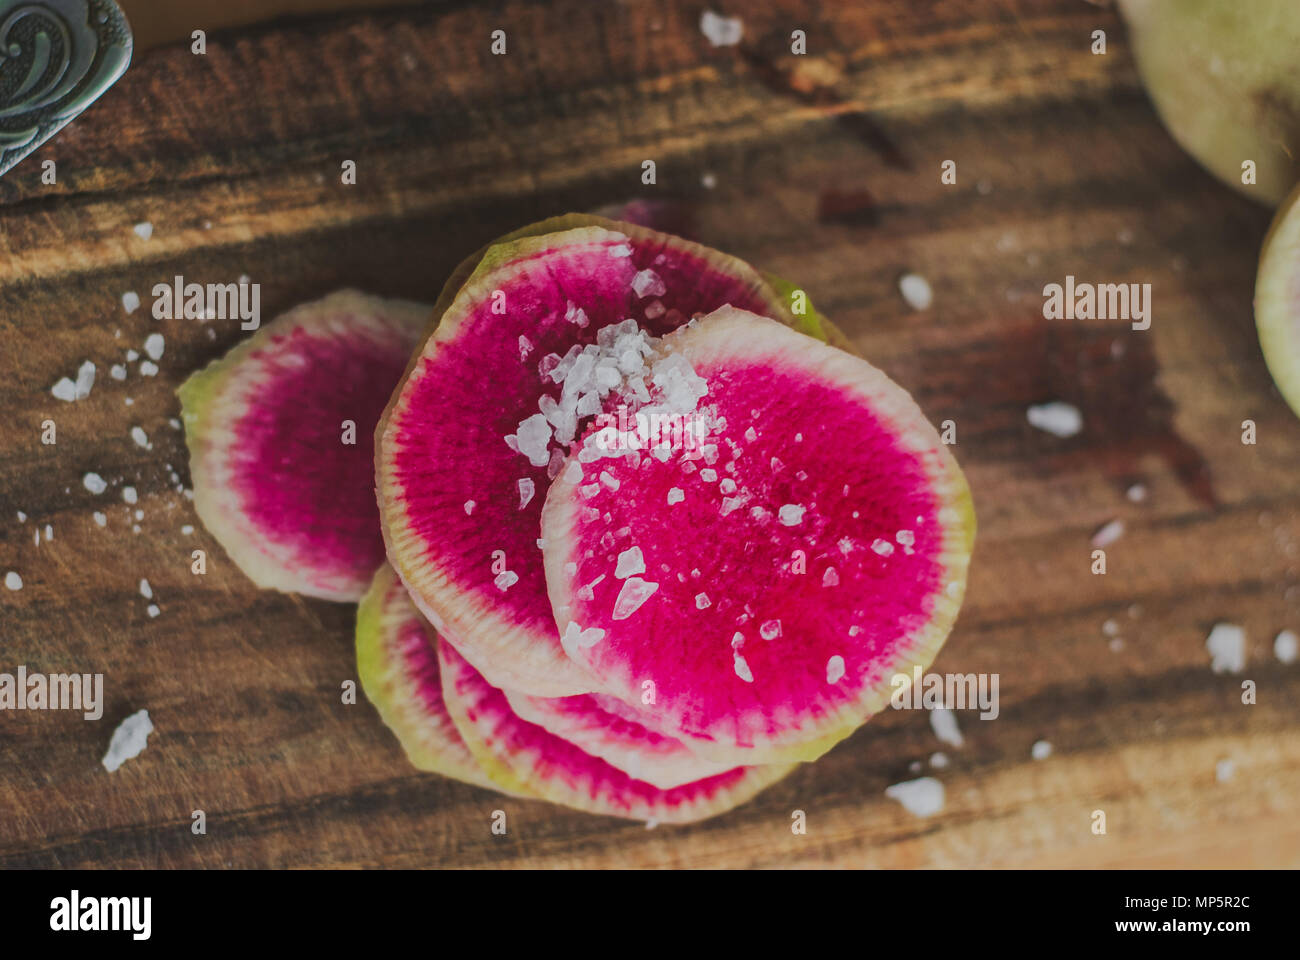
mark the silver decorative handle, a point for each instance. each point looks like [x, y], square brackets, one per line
[56, 58]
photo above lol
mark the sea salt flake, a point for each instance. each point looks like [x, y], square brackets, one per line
[129, 739]
[609, 480]
[1285, 646]
[117, 371]
[647, 283]
[143, 230]
[916, 291]
[130, 301]
[146, 591]
[630, 561]
[634, 593]
[526, 490]
[676, 495]
[148, 369]
[882, 547]
[100, 519]
[1108, 533]
[830, 578]
[1227, 647]
[1041, 750]
[129, 494]
[575, 638]
[791, 514]
[923, 797]
[721, 31]
[835, 669]
[525, 347]
[741, 667]
[469, 507]
[1056, 418]
[13, 581]
[153, 346]
[708, 476]
[702, 601]
[141, 438]
[751, 434]
[770, 630]
[94, 483]
[944, 724]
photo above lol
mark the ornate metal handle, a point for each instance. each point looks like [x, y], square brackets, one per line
[56, 58]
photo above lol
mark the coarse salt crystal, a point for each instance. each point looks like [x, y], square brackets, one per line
[791, 514]
[835, 669]
[94, 483]
[634, 593]
[630, 561]
[1056, 418]
[1227, 647]
[916, 291]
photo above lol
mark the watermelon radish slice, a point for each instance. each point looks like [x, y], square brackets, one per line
[1277, 300]
[522, 757]
[467, 449]
[397, 661]
[769, 583]
[607, 729]
[282, 482]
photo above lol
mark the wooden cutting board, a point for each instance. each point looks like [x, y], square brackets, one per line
[824, 169]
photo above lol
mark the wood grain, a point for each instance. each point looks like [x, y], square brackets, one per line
[234, 158]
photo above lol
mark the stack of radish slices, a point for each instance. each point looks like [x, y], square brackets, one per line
[647, 535]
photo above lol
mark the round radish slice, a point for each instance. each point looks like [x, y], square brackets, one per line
[281, 438]
[1277, 300]
[616, 735]
[524, 758]
[397, 661]
[767, 573]
[472, 439]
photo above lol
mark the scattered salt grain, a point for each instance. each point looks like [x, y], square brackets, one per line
[94, 483]
[1227, 647]
[938, 760]
[1108, 533]
[153, 346]
[647, 283]
[132, 356]
[634, 593]
[130, 301]
[721, 31]
[1110, 628]
[708, 181]
[1285, 646]
[709, 475]
[575, 638]
[117, 371]
[148, 369]
[1041, 750]
[882, 547]
[22, 517]
[187, 530]
[835, 669]
[141, 438]
[129, 494]
[1136, 493]
[64, 390]
[129, 739]
[526, 490]
[152, 610]
[830, 578]
[469, 507]
[143, 230]
[146, 591]
[13, 581]
[630, 561]
[770, 629]
[791, 514]
[741, 667]
[944, 724]
[916, 291]
[100, 519]
[505, 580]
[609, 480]
[1058, 419]
[922, 797]
[702, 601]
[525, 347]
[675, 495]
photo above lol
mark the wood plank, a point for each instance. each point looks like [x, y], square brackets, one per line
[1062, 169]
